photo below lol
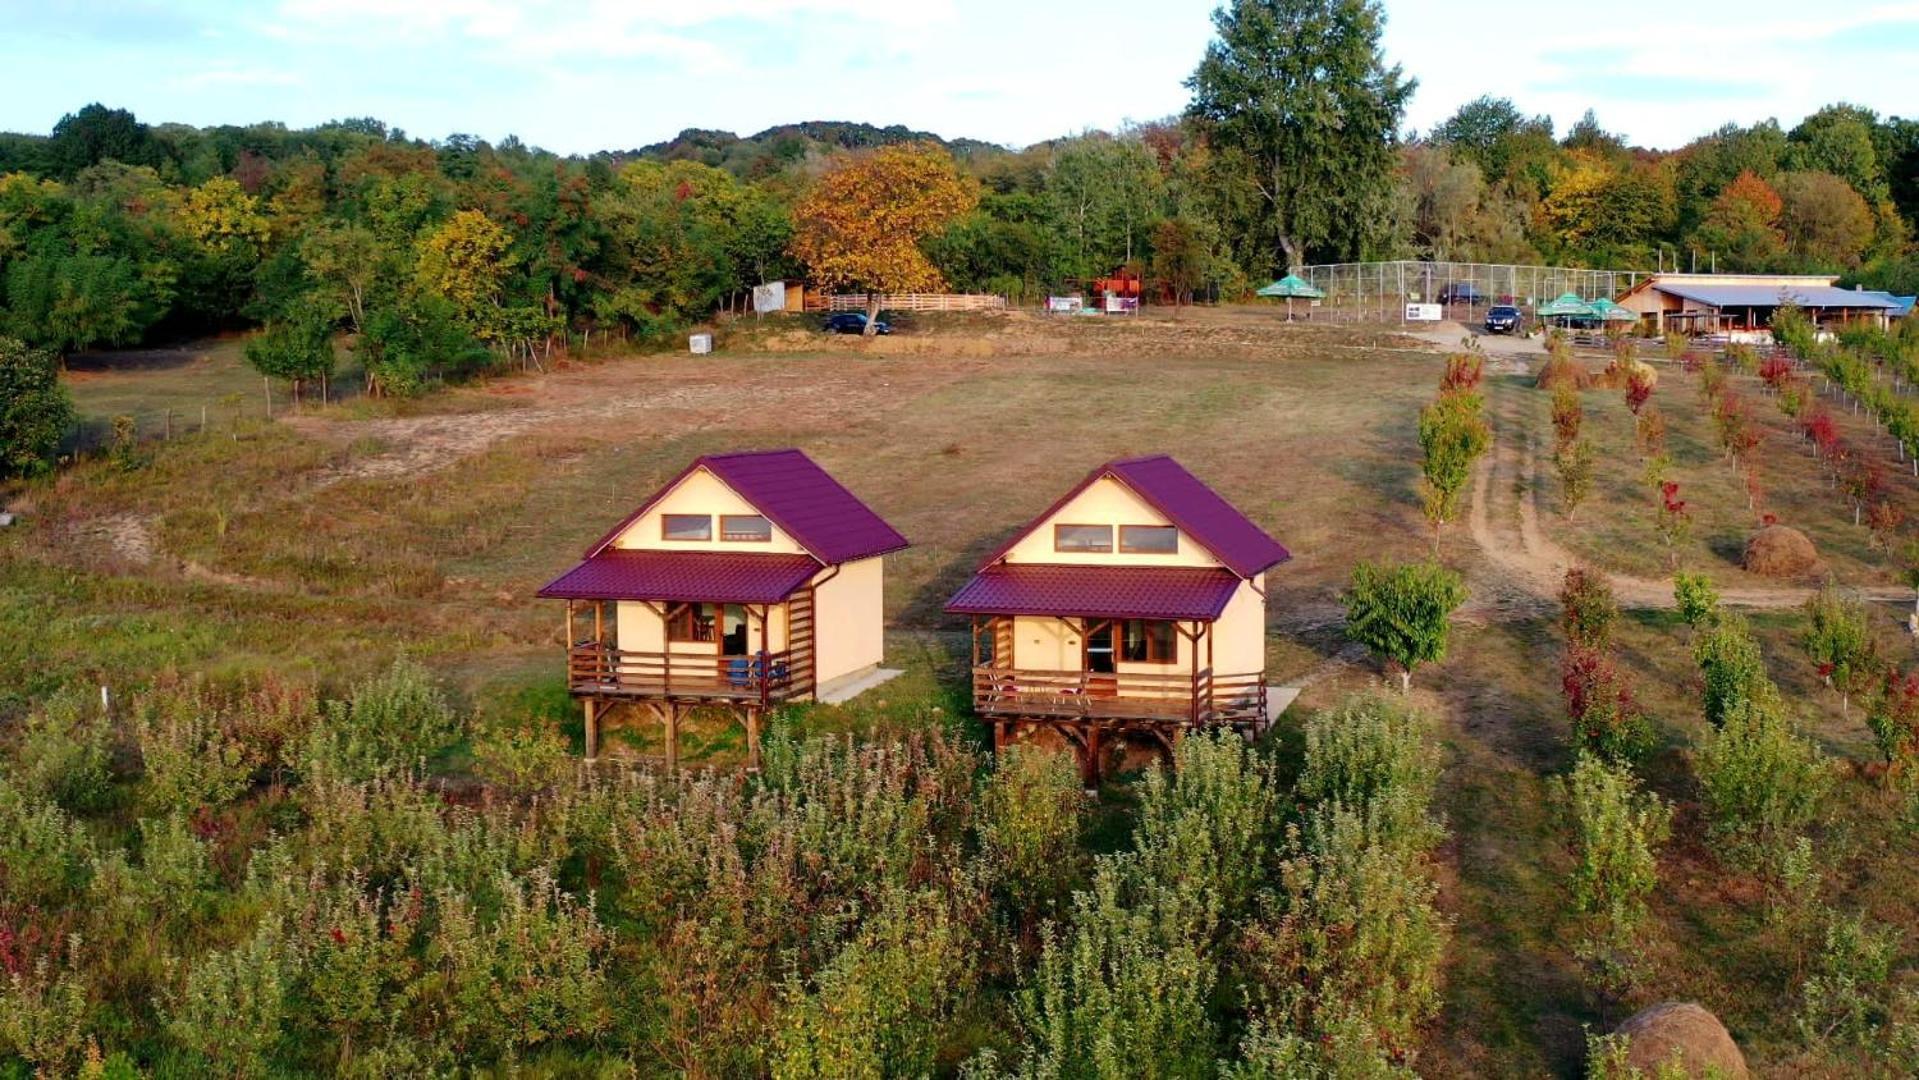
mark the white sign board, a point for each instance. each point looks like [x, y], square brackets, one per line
[1064, 305]
[700, 344]
[769, 297]
[1424, 312]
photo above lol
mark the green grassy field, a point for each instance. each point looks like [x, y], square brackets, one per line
[323, 547]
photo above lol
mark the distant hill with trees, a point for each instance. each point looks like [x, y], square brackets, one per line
[785, 145]
[440, 252]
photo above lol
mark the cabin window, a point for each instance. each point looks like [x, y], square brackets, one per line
[709, 623]
[1148, 641]
[690, 622]
[748, 528]
[1149, 539]
[686, 526]
[1083, 538]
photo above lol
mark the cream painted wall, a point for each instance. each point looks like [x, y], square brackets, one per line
[641, 629]
[1043, 643]
[1239, 636]
[1105, 502]
[850, 625]
[700, 493]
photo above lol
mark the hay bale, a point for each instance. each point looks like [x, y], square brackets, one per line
[1778, 551]
[1560, 371]
[1682, 1034]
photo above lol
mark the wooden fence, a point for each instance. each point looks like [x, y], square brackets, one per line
[918, 302]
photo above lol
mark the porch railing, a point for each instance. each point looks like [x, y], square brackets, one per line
[768, 678]
[1201, 697]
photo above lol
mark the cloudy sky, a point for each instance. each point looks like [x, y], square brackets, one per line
[581, 75]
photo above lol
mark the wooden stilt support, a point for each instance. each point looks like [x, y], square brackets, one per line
[671, 714]
[592, 729]
[752, 740]
[1089, 761]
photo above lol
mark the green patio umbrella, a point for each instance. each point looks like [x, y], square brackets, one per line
[1567, 306]
[1607, 311]
[1289, 287]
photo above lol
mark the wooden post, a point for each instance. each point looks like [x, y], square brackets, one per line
[599, 622]
[672, 714]
[752, 740]
[592, 730]
[570, 639]
[1089, 768]
[765, 658]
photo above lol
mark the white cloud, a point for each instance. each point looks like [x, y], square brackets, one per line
[1657, 84]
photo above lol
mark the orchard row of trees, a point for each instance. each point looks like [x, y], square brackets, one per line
[250, 879]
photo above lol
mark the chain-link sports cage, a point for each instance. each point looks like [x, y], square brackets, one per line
[1375, 292]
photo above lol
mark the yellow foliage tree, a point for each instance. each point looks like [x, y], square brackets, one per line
[221, 217]
[1576, 204]
[861, 227]
[466, 261]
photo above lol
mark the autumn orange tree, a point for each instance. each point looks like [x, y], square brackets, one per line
[861, 227]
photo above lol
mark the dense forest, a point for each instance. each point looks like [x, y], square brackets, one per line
[113, 231]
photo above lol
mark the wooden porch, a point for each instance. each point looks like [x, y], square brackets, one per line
[669, 683]
[1201, 698]
[764, 679]
[1089, 709]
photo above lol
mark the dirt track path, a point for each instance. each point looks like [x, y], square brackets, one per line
[1535, 563]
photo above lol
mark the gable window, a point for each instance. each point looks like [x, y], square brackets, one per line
[1083, 538]
[1148, 641]
[686, 526]
[1149, 539]
[749, 528]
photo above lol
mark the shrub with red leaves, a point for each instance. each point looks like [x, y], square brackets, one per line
[1894, 718]
[1864, 481]
[1673, 523]
[1824, 434]
[1605, 717]
[1588, 610]
[1638, 390]
[1739, 434]
[1775, 370]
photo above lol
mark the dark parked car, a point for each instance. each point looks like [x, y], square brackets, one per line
[1461, 292]
[1503, 319]
[854, 322]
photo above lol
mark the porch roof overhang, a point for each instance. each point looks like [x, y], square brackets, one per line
[720, 577]
[1097, 592]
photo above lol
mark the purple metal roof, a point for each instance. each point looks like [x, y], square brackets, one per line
[1096, 592]
[721, 577]
[797, 495]
[1201, 513]
[1185, 500]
